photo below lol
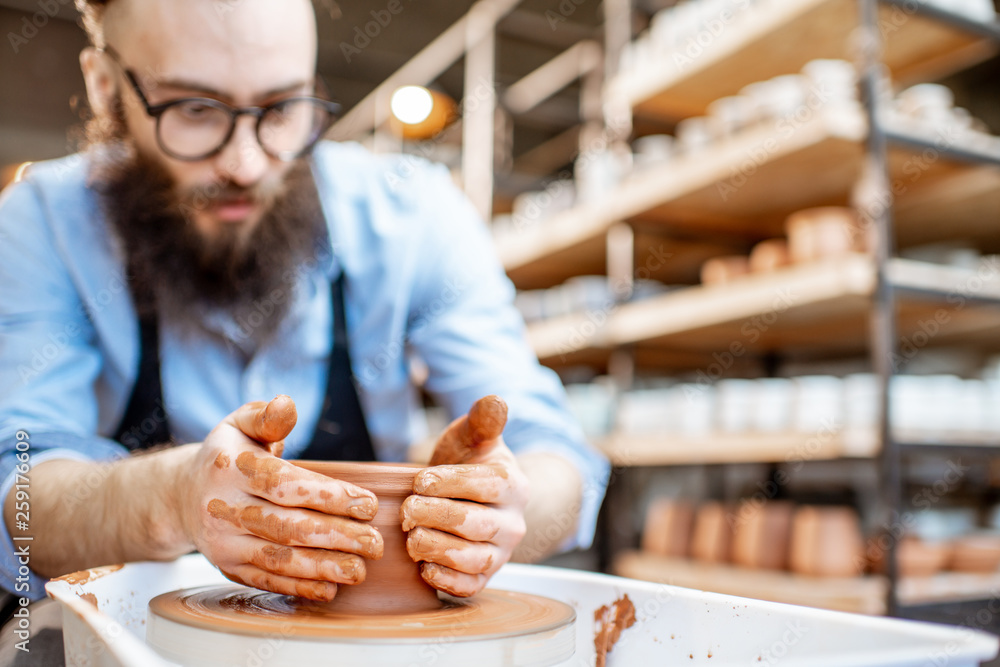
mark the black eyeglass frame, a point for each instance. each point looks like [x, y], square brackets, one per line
[156, 112]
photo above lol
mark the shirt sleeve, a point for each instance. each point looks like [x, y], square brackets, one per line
[466, 329]
[48, 357]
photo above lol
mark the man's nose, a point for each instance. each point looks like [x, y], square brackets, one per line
[243, 160]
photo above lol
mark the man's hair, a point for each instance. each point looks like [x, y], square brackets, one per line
[92, 12]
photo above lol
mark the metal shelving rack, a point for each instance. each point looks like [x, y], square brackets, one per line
[592, 234]
[876, 189]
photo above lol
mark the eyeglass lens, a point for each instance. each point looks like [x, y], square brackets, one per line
[198, 128]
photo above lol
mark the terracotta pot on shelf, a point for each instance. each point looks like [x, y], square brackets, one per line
[978, 552]
[826, 542]
[392, 584]
[769, 255]
[667, 530]
[823, 232]
[915, 557]
[723, 270]
[761, 533]
[712, 539]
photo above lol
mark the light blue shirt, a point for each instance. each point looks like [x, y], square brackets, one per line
[423, 281]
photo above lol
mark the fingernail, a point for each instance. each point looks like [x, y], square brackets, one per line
[358, 492]
[426, 481]
[404, 512]
[362, 508]
[371, 546]
[353, 570]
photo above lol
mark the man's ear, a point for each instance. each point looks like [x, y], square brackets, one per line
[100, 78]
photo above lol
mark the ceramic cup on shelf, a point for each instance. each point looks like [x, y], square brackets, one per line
[818, 404]
[692, 408]
[667, 529]
[915, 556]
[772, 405]
[732, 113]
[769, 255]
[826, 542]
[694, 135]
[928, 103]
[734, 404]
[711, 540]
[651, 150]
[976, 552]
[761, 534]
[825, 231]
[724, 270]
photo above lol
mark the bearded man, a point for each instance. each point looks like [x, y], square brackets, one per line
[205, 254]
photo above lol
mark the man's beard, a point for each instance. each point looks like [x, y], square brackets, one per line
[174, 270]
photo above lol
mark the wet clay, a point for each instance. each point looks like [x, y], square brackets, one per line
[87, 576]
[239, 610]
[392, 584]
[611, 620]
[471, 434]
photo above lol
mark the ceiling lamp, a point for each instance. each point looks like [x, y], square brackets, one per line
[420, 113]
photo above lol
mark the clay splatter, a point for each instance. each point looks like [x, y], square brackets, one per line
[264, 472]
[86, 576]
[611, 621]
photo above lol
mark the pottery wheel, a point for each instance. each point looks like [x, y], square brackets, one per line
[235, 625]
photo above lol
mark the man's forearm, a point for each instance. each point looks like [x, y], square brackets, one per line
[553, 511]
[90, 514]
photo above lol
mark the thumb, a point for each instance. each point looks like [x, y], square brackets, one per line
[266, 422]
[472, 434]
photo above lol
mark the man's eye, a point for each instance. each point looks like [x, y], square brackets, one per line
[197, 111]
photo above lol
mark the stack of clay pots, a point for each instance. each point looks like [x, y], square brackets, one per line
[820, 541]
[810, 540]
[919, 557]
[812, 235]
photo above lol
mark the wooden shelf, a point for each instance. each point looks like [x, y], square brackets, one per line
[863, 594]
[948, 587]
[703, 196]
[823, 306]
[652, 450]
[782, 37]
[629, 449]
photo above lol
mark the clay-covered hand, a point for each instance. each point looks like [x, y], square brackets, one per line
[467, 512]
[267, 523]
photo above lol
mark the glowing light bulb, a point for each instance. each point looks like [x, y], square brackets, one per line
[411, 104]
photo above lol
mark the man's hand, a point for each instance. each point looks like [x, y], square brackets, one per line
[467, 514]
[265, 522]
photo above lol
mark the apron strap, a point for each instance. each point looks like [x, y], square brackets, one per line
[341, 432]
[145, 423]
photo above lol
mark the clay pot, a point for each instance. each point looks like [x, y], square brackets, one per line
[976, 553]
[722, 270]
[761, 534]
[393, 584]
[828, 231]
[667, 530]
[769, 255]
[915, 557]
[712, 534]
[826, 542]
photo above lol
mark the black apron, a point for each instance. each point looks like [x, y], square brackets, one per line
[341, 433]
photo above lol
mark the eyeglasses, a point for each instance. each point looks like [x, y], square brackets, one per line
[197, 128]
